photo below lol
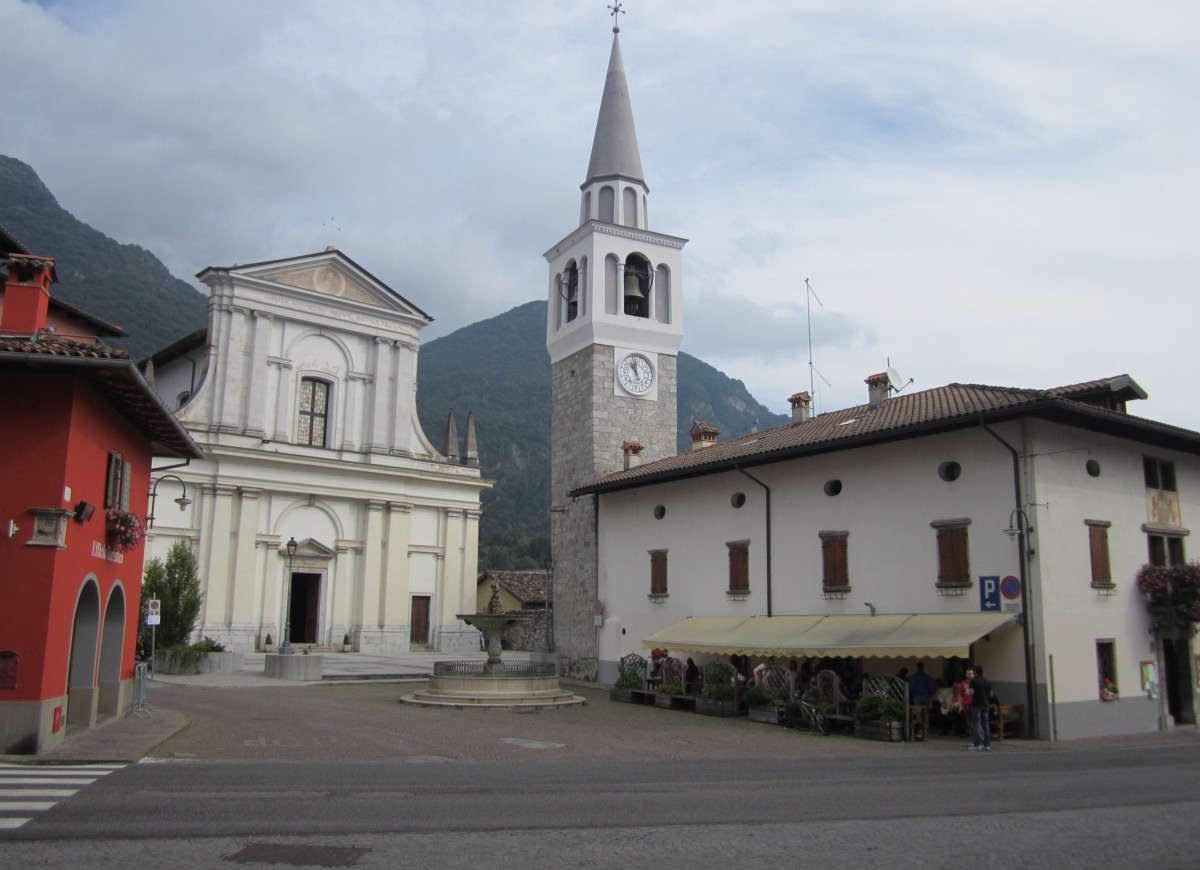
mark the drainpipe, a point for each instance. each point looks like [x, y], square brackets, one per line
[768, 491]
[1023, 554]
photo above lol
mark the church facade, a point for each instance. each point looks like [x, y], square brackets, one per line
[302, 392]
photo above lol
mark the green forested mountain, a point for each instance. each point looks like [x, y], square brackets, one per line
[497, 369]
[123, 284]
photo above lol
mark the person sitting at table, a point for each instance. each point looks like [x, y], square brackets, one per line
[691, 676]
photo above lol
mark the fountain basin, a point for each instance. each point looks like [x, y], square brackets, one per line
[498, 684]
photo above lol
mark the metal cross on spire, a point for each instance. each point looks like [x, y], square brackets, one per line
[615, 11]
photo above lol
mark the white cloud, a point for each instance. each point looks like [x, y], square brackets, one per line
[999, 194]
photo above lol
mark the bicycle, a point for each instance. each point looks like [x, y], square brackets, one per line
[817, 720]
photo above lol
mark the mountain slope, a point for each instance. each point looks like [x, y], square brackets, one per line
[123, 284]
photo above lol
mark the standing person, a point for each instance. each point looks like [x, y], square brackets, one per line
[981, 732]
[920, 686]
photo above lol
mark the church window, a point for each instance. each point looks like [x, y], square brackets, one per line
[570, 291]
[637, 286]
[608, 205]
[629, 207]
[314, 412]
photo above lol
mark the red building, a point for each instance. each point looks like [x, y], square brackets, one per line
[80, 427]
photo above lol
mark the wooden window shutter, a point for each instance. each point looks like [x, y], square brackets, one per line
[112, 488]
[126, 483]
[953, 567]
[739, 566]
[1098, 544]
[658, 572]
[834, 555]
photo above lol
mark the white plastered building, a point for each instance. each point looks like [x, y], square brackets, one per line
[879, 534]
[302, 393]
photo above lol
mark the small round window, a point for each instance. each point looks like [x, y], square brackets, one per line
[1093, 467]
[659, 512]
[833, 487]
[737, 499]
[949, 471]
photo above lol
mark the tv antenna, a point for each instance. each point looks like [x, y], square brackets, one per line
[810, 295]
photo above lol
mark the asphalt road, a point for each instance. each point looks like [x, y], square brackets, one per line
[345, 776]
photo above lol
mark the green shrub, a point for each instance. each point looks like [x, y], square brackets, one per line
[873, 708]
[176, 585]
[671, 689]
[718, 692]
[756, 696]
[628, 681]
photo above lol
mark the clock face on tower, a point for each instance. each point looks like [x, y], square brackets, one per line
[635, 374]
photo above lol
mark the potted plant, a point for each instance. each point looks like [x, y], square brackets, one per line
[268, 643]
[717, 699]
[763, 705]
[1108, 690]
[346, 642]
[879, 718]
[125, 528]
[1171, 593]
[623, 688]
[664, 696]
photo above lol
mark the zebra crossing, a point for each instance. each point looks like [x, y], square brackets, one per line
[26, 789]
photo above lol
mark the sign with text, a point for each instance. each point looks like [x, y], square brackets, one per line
[989, 594]
[153, 612]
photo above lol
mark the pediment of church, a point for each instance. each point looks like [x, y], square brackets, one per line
[331, 273]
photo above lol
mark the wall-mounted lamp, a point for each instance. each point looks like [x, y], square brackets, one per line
[1018, 524]
[183, 501]
[84, 511]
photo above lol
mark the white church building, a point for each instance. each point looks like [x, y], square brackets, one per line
[302, 394]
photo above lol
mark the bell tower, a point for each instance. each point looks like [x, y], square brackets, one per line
[613, 328]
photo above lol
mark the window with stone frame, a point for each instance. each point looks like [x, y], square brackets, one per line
[1098, 551]
[313, 413]
[1165, 549]
[954, 563]
[658, 573]
[835, 561]
[739, 567]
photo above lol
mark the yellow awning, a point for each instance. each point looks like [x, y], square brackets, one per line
[918, 635]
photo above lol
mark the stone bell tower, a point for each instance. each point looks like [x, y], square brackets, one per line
[613, 328]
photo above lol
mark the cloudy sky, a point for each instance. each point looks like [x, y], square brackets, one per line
[1001, 193]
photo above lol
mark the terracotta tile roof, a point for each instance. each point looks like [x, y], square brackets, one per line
[110, 372]
[909, 415]
[528, 587]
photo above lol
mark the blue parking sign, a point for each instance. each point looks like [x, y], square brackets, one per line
[989, 594]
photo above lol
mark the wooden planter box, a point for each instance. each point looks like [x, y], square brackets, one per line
[664, 700]
[709, 707]
[623, 695]
[892, 732]
[766, 715]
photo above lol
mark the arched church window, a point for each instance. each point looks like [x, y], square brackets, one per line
[608, 205]
[629, 207]
[569, 289]
[637, 286]
[313, 416]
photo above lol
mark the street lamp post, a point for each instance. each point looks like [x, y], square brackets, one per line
[285, 648]
[1019, 530]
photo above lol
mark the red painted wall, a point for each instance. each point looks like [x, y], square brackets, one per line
[58, 433]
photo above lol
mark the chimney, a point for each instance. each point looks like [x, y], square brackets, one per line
[703, 435]
[879, 389]
[633, 454]
[801, 406]
[27, 293]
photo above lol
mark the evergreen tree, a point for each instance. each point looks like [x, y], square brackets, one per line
[177, 587]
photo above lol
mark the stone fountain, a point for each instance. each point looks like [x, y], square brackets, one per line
[493, 683]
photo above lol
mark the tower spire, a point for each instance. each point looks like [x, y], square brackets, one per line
[615, 149]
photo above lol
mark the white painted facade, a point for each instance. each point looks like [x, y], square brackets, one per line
[891, 493]
[386, 526]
